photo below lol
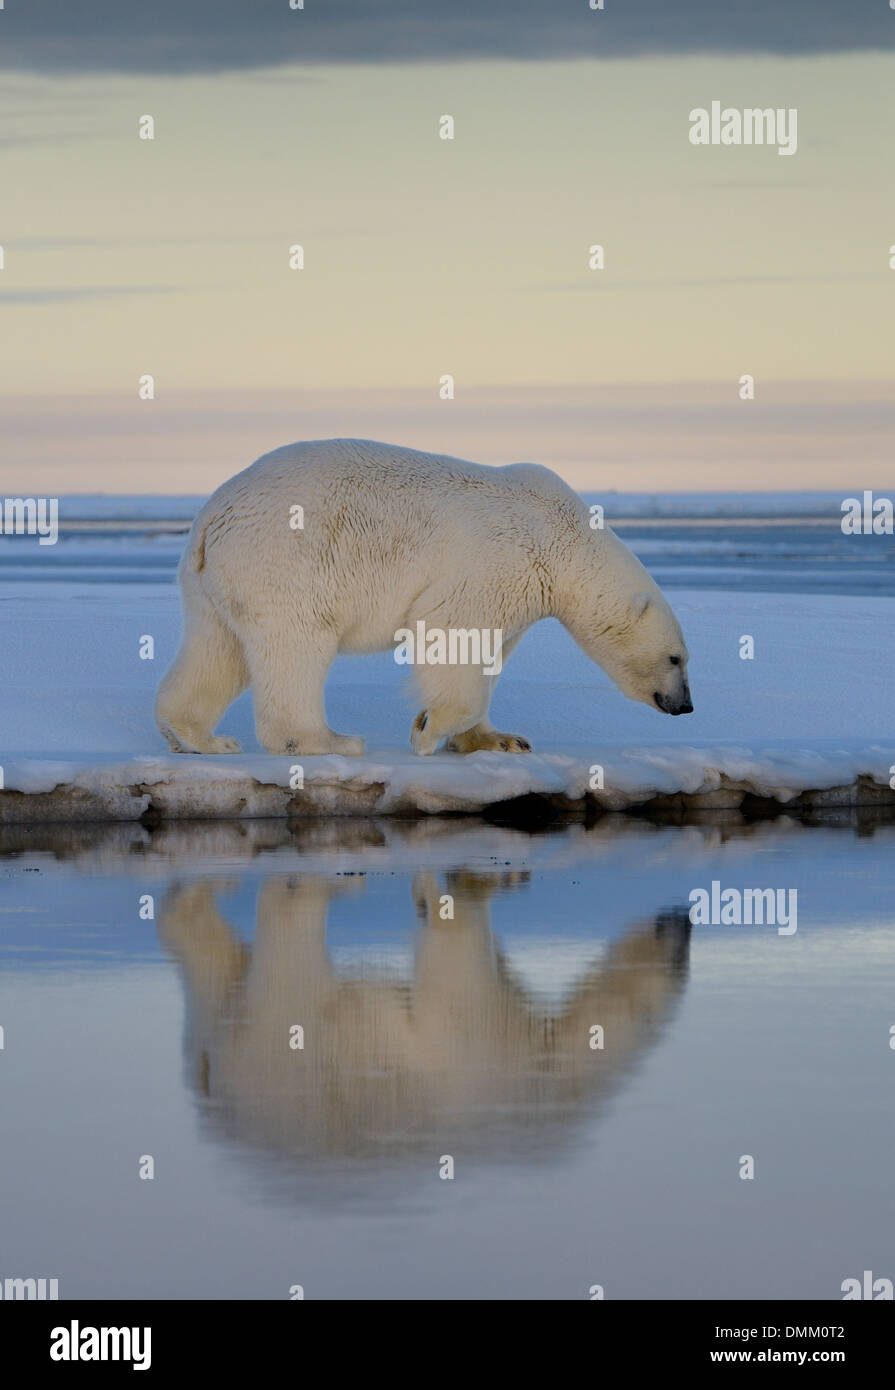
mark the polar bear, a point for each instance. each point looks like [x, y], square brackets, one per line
[340, 545]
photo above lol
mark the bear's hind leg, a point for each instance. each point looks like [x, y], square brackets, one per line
[288, 673]
[208, 673]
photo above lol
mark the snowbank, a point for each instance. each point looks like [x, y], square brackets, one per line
[392, 783]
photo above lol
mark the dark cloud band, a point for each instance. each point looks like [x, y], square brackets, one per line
[180, 36]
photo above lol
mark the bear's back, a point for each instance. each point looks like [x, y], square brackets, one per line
[388, 484]
[380, 510]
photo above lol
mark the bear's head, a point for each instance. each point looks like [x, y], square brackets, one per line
[646, 655]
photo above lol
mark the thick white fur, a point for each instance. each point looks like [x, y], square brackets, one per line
[392, 536]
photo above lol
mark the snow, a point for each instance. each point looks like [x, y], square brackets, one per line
[812, 713]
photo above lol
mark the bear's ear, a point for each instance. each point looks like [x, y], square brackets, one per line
[639, 604]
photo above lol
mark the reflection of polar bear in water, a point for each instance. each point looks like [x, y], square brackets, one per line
[387, 1066]
[392, 539]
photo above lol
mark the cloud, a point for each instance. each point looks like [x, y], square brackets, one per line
[182, 36]
[62, 296]
[65, 138]
[593, 285]
[637, 436]
[63, 243]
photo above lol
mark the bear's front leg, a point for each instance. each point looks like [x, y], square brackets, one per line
[431, 726]
[457, 699]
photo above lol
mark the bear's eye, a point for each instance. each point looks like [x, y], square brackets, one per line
[675, 660]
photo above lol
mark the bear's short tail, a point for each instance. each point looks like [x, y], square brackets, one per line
[210, 525]
[193, 558]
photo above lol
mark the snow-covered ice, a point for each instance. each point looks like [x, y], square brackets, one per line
[811, 713]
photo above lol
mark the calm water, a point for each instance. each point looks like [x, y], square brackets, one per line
[152, 981]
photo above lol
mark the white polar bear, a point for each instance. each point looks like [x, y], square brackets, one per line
[337, 545]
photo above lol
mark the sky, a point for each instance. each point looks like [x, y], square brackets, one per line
[426, 257]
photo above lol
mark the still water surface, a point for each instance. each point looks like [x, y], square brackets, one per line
[426, 1036]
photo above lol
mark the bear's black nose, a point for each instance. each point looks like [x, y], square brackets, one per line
[663, 702]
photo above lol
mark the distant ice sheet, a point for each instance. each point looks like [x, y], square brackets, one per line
[82, 507]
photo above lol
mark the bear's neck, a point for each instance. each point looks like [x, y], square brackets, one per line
[594, 585]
